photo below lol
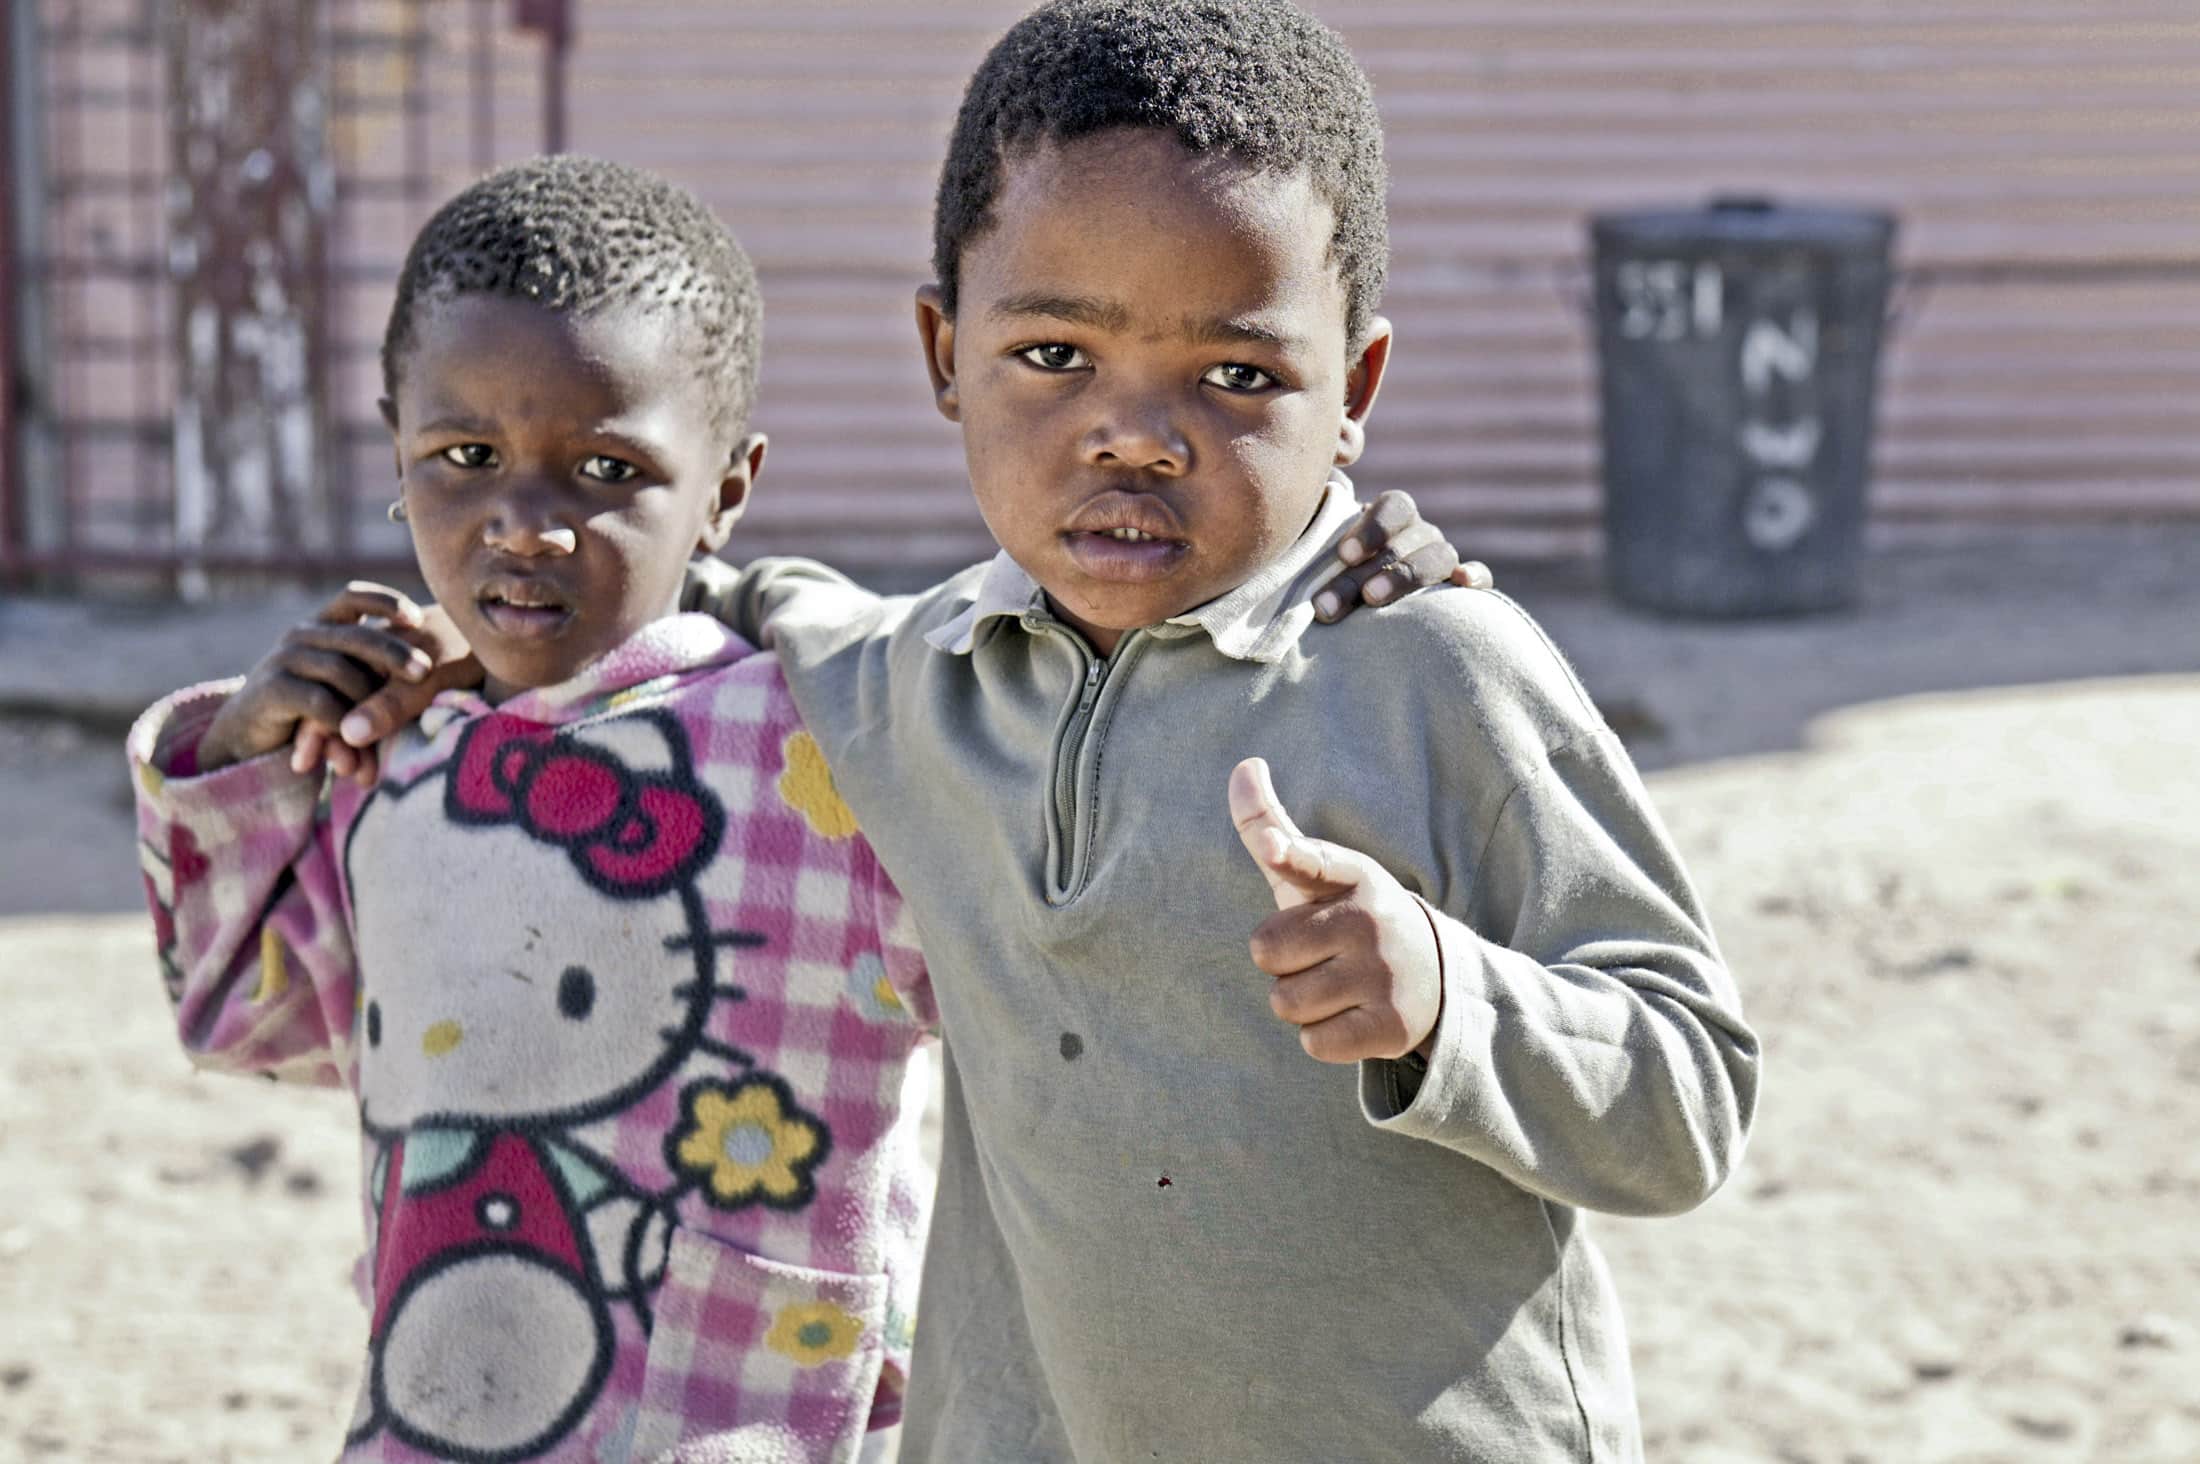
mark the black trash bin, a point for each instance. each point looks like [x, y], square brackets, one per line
[1738, 349]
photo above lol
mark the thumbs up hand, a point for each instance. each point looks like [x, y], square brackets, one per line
[1353, 954]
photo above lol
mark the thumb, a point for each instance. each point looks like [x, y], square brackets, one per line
[399, 703]
[1299, 870]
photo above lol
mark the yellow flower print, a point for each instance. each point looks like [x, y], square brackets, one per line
[807, 786]
[873, 990]
[749, 1144]
[150, 779]
[274, 967]
[814, 1332]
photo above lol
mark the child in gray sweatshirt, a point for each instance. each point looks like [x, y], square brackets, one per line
[1319, 1198]
[1323, 1204]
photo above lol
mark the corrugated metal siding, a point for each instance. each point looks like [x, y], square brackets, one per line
[2043, 162]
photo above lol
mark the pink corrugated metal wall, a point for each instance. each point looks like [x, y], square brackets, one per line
[2045, 159]
[2044, 156]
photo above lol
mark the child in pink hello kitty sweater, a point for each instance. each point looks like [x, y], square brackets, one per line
[623, 994]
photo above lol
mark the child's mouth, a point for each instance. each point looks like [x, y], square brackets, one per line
[1124, 554]
[524, 612]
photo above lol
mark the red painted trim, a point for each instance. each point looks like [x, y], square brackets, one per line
[484, 138]
[554, 19]
[11, 498]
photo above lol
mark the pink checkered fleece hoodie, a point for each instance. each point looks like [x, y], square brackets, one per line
[629, 1009]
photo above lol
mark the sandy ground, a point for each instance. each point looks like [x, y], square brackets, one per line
[1965, 921]
[1965, 1227]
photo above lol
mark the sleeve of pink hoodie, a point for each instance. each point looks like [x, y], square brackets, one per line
[248, 910]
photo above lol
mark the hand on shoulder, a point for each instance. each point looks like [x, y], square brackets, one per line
[1390, 551]
[367, 637]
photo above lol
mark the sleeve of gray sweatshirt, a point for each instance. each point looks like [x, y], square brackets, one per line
[1591, 1046]
[750, 598]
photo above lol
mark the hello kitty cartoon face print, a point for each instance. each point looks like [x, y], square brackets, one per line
[506, 1007]
[515, 1005]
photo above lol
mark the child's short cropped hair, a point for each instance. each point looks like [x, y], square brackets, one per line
[582, 234]
[1259, 80]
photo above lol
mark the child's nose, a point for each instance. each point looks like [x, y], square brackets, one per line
[526, 522]
[1142, 430]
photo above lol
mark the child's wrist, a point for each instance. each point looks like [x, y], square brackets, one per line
[1424, 1051]
[220, 745]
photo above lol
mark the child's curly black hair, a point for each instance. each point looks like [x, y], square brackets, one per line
[1258, 80]
[581, 234]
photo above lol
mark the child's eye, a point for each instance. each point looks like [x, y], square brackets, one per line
[471, 455]
[605, 468]
[1237, 376]
[1054, 356]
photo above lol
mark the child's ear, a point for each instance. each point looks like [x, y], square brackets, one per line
[1360, 385]
[742, 466]
[936, 333]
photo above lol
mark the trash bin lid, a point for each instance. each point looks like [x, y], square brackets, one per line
[1745, 219]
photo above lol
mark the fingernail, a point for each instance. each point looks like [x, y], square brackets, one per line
[1325, 604]
[1349, 547]
[1377, 591]
[356, 729]
[417, 666]
[297, 758]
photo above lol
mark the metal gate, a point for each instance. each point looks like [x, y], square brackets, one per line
[125, 351]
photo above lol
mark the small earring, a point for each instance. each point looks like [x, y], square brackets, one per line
[397, 510]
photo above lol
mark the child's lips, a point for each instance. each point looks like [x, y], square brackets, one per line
[523, 612]
[1125, 556]
[1125, 535]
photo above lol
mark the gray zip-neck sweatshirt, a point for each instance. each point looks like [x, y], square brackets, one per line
[1163, 1231]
